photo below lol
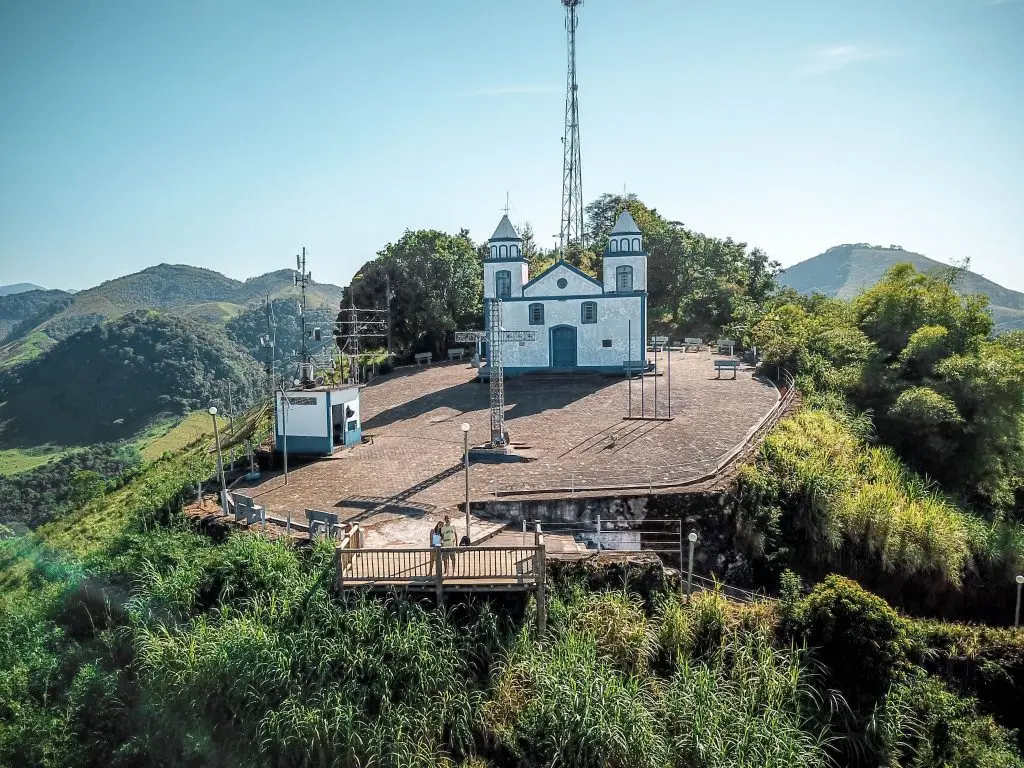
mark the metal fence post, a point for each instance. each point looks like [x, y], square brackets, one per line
[288, 524]
[1016, 615]
[541, 568]
[689, 569]
[680, 554]
[599, 534]
[524, 531]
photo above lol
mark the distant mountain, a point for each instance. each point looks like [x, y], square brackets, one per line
[846, 270]
[17, 308]
[8, 290]
[192, 292]
[112, 380]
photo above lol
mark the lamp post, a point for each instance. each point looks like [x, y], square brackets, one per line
[220, 458]
[692, 538]
[1016, 614]
[465, 458]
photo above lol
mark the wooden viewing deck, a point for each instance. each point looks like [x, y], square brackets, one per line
[444, 569]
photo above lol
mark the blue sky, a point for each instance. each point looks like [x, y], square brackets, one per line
[229, 134]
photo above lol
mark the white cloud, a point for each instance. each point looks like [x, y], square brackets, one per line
[829, 58]
[507, 89]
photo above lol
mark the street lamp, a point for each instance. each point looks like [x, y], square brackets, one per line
[465, 458]
[1016, 614]
[220, 458]
[692, 538]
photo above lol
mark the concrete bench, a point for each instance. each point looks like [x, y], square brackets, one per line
[726, 365]
[248, 510]
[423, 358]
[659, 343]
[692, 344]
[324, 521]
[725, 346]
[456, 353]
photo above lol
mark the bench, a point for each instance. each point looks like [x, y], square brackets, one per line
[634, 366]
[325, 521]
[658, 343]
[248, 510]
[725, 346]
[692, 345]
[456, 353]
[726, 365]
[423, 358]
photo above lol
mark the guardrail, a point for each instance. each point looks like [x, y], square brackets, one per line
[514, 565]
[652, 478]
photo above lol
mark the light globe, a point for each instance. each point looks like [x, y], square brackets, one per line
[692, 537]
[213, 410]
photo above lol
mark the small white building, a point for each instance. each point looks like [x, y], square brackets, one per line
[317, 421]
[581, 323]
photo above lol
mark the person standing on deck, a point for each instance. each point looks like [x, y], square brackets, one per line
[435, 545]
[448, 542]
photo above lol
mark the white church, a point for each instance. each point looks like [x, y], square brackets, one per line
[582, 324]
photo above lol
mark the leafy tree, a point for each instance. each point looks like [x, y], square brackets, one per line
[437, 287]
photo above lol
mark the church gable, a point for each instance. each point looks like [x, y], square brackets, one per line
[562, 279]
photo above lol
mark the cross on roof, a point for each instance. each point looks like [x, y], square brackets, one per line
[505, 209]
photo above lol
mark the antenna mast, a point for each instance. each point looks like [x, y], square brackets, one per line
[302, 278]
[572, 179]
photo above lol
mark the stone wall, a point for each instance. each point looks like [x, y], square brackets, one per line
[720, 549]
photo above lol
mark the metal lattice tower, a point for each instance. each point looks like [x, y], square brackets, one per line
[497, 373]
[496, 336]
[572, 178]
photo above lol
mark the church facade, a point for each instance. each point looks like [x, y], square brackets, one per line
[582, 324]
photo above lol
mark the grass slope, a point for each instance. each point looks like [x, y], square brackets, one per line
[846, 270]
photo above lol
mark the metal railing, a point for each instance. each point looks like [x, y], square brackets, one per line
[666, 537]
[649, 478]
[486, 565]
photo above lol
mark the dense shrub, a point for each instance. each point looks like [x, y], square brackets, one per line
[860, 640]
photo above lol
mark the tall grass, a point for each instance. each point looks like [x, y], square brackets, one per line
[848, 496]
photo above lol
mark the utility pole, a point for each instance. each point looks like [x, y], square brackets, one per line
[387, 288]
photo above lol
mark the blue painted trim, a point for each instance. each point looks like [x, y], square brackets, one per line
[506, 260]
[613, 254]
[612, 370]
[505, 240]
[353, 437]
[582, 314]
[584, 296]
[568, 266]
[309, 446]
[330, 422]
[643, 325]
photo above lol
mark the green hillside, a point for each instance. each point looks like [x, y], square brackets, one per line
[846, 270]
[112, 380]
[31, 321]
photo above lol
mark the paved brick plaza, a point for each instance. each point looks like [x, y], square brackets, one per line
[575, 435]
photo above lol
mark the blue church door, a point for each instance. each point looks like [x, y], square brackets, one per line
[563, 346]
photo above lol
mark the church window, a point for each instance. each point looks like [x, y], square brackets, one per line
[588, 313]
[636, 243]
[503, 284]
[494, 251]
[537, 314]
[562, 282]
[614, 244]
[624, 278]
[503, 251]
[513, 251]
